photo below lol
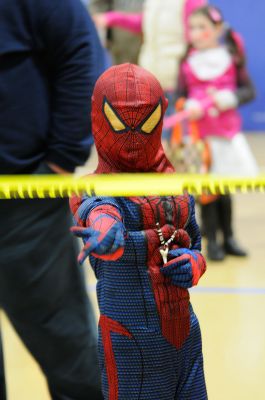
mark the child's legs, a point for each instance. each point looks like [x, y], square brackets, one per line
[141, 367]
[191, 384]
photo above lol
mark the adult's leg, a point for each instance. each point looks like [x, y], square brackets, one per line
[43, 292]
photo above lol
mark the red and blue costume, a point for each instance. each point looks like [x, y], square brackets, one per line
[149, 336]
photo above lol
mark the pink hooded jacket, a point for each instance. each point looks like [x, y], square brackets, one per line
[225, 124]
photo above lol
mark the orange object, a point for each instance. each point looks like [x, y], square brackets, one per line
[177, 136]
[178, 142]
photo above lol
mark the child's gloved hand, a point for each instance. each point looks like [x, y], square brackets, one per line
[225, 99]
[185, 267]
[103, 238]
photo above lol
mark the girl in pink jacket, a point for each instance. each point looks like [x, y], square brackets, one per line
[213, 72]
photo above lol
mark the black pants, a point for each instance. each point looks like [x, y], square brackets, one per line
[43, 293]
[216, 216]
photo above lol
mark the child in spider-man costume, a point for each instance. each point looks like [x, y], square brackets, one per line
[145, 252]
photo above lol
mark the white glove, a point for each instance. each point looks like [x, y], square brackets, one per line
[194, 108]
[225, 99]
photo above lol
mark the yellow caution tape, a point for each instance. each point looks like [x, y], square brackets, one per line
[55, 186]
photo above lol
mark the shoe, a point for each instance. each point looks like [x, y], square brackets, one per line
[214, 251]
[232, 247]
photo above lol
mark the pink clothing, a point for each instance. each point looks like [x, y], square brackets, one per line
[133, 22]
[130, 22]
[226, 124]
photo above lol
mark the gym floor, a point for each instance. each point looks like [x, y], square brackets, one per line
[229, 302]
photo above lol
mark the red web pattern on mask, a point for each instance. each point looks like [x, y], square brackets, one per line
[133, 93]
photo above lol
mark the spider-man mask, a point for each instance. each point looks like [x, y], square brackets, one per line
[128, 106]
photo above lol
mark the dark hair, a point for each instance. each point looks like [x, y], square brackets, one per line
[231, 39]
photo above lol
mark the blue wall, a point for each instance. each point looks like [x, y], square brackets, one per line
[248, 18]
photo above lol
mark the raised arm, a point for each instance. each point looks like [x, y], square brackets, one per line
[131, 22]
[115, 19]
[99, 223]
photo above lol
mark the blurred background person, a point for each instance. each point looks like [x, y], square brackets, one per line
[124, 46]
[163, 25]
[50, 60]
[214, 71]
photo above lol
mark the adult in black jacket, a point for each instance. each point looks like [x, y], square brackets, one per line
[50, 58]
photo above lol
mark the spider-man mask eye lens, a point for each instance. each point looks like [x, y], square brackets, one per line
[151, 123]
[113, 119]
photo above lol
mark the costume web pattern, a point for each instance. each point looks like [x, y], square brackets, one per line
[133, 94]
[141, 312]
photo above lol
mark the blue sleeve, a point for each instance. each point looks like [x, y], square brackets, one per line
[193, 228]
[86, 204]
[69, 42]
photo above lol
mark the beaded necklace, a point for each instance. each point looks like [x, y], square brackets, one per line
[164, 244]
